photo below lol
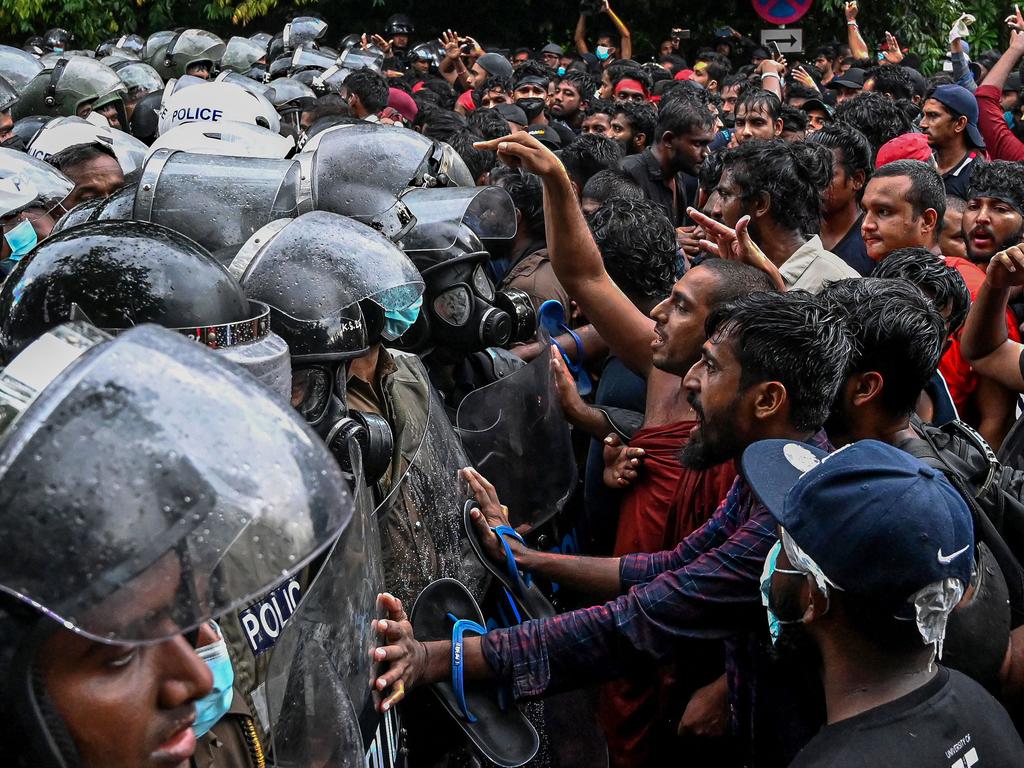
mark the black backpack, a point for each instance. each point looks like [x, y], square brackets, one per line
[994, 492]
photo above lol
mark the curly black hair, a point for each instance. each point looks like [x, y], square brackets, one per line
[589, 154]
[642, 117]
[487, 123]
[638, 244]
[1000, 178]
[878, 117]
[894, 82]
[532, 68]
[793, 176]
[584, 84]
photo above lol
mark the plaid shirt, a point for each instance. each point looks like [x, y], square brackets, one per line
[708, 587]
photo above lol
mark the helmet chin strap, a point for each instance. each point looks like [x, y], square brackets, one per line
[49, 743]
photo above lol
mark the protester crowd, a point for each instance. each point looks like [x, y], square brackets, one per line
[389, 401]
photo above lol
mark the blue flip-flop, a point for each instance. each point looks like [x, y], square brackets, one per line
[551, 317]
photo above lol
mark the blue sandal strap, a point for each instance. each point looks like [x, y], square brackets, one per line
[459, 628]
[510, 561]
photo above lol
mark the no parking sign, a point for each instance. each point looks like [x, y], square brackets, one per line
[782, 11]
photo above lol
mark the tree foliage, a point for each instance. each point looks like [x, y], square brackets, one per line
[920, 24]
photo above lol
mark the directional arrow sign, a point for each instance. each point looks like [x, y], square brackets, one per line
[788, 40]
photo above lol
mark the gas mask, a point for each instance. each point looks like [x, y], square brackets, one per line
[464, 313]
[319, 394]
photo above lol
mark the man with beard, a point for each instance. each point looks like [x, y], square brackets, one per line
[771, 367]
[779, 186]
[633, 125]
[994, 217]
[684, 131]
[904, 205]
[573, 92]
[864, 585]
[713, 388]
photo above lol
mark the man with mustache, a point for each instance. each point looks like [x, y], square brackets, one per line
[771, 365]
[994, 218]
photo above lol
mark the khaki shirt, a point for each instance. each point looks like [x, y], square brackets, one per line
[811, 267]
[534, 276]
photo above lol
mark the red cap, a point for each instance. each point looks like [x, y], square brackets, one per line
[909, 146]
[684, 74]
[402, 103]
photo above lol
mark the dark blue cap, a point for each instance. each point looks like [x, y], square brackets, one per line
[878, 522]
[960, 101]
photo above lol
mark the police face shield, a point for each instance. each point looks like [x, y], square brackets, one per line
[18, 67]
[310, 58]
[487, 211]
[63, 132]
[138, 77]
[82, 213]
[117, 207]
[303, 29]
[323, 709]
[49, 186]
[258, 88]
[362, 58]
[240, 54]
[228, 490]
[311, 269]
[464, 312]
[217, 201]
[514, 426]
[156, 41]
[228, 138]
[7, 95]
[290, 98]
[361, 171]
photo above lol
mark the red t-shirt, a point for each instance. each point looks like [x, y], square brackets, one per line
[666, 504]
[959, 375]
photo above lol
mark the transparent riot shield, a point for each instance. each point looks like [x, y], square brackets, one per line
[421, 516]
[487, 211]
[515, 434]
[322, 707]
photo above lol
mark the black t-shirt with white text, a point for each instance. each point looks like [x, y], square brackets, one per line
[949, 722]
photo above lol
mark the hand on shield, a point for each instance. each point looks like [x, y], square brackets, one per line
[406, 655]
[489, 515]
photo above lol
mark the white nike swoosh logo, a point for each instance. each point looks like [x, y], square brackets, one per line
[947, 559]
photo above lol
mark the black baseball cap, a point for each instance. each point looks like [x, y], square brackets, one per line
[851, 78]
[879, 523]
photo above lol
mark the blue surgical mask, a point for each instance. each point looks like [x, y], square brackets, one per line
[212, 707]
[561, 71]
[774, 622]
[398, 321]
[603, 52]
[22, 239]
